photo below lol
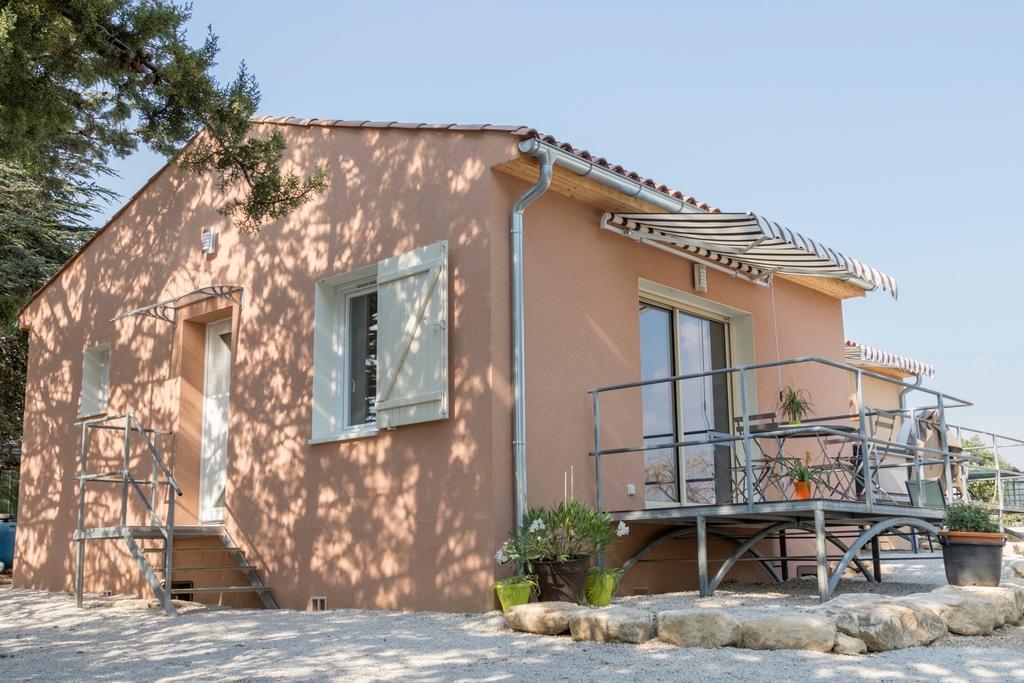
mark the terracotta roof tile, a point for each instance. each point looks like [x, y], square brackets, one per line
[523, 132]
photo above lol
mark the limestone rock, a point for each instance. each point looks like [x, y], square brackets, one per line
[962, 614]
[1016, 566]
[848, 645]
[612, 625]
[1007, 599]
[544, 618]
[789, 632]
[698, 628]
[882, 623]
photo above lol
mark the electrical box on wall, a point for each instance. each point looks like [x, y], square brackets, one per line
[209, 240]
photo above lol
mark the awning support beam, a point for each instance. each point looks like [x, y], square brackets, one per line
[167, 311]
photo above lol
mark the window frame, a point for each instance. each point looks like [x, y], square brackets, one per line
[331, 372]
[739, 340]
[93, 355]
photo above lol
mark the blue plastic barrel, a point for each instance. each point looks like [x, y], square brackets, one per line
[7, 544]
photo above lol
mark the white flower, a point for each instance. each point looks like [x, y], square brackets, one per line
[537, 525]
[621, 530]
[502, 555]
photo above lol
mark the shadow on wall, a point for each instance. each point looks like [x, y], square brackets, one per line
[404, 519]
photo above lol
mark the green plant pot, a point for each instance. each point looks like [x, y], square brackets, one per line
[510, 596]
[599, 590]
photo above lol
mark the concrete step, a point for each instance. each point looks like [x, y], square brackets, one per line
[221, 589]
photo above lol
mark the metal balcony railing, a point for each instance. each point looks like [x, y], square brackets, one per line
[853, 451]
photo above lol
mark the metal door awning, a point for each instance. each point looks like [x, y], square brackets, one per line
[747, 244]
[168, 310]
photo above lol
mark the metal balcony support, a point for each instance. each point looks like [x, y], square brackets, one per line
[702, 557]
[824, 588]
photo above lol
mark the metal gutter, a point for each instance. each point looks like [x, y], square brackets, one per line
[588, 169]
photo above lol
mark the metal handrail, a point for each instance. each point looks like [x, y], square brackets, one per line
[869, 443]
[128, 481]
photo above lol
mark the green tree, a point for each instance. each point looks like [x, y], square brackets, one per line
[984, 490]
[84, 82]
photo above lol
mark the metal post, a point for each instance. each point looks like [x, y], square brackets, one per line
[876, 559]
[783, 553]
[999, 479]
[597, 451]
[124, 470]
[702, 556]
[824, 594]
[154, 477]
[865, 460]
[944, 441]
[749, 463]
[915, 434]
[169, 540]
[80, 523]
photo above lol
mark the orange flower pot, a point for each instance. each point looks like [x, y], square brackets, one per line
[802, 490]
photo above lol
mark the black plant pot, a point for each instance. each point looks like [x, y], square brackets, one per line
[972, 559]
[562, 581]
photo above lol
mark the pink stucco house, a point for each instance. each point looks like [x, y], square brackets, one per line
[352, 407]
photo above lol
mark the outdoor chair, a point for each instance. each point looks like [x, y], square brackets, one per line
[769, 469]
[927, 493]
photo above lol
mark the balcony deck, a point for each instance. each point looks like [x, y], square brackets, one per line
[852, 461]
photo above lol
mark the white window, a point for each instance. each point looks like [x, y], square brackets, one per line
[380, 349]
[95, 380]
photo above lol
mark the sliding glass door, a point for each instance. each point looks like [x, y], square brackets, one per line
[677, 342]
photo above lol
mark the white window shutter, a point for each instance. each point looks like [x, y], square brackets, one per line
[412, 337]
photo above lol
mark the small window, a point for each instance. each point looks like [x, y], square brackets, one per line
[359, 350]
[95, 380]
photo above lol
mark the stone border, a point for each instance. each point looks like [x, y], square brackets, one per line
[849, 624]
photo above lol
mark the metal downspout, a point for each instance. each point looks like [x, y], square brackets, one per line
[519, 328]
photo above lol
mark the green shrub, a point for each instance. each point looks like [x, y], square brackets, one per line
[569, 531]
[971, 517]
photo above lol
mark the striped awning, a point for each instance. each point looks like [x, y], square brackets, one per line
[869, 356]
[750, 244]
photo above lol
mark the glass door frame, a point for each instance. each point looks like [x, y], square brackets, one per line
[676, 308]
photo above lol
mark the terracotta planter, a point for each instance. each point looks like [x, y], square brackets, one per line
[802, 490]
[972, 559]
[562, 581]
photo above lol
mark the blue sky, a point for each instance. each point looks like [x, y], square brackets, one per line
[889, 131]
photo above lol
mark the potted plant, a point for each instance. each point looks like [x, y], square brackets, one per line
[794, 404]
[600, 585]
[557, 544]
[972, 546]
[515, 590]
[802, 482]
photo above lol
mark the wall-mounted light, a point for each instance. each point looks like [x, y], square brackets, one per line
[700, 277]
[209, 240]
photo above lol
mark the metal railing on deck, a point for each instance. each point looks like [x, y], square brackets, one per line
[159, 478]
[747, 436]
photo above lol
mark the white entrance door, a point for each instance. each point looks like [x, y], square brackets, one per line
[214, 450]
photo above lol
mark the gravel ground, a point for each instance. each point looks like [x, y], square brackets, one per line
[43, 636]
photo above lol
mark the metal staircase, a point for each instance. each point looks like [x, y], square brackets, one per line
[160, 538]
